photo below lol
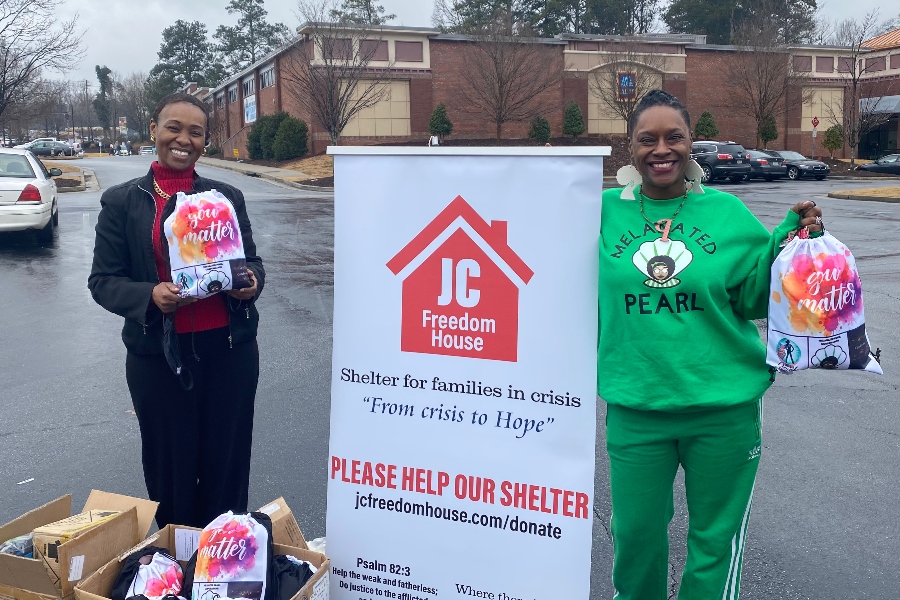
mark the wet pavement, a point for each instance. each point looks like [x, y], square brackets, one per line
[825, 521]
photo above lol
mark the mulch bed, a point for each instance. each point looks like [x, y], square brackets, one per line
[319, 182]
[62, 182]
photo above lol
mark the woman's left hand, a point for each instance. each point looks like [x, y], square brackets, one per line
[810, 216]
[245, 293]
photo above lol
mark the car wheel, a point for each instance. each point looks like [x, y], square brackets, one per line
[707, 174]
[45, 235]
[793, 173]
[55, 217]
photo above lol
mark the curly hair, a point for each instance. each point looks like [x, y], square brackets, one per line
[658, 98]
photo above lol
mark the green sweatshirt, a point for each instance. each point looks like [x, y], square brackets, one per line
[675, 329]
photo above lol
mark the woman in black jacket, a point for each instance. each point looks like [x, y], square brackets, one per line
[192, 366]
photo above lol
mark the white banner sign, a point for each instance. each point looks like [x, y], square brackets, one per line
[250, 109]
[464, 372]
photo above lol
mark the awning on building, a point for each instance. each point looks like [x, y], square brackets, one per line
[882, 104]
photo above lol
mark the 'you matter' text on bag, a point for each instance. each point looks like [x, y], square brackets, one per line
[816, 318]
[206, 252]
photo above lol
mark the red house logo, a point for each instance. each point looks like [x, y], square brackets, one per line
[461, 286]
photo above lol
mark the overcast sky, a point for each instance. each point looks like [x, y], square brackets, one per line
[125, 34]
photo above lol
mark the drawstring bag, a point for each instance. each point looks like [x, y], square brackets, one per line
[150, 572]
[816, 318]
[206, 252]
[234, 559]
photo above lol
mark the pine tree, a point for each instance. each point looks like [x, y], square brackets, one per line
[768, 130]
[540, 129]
[361, 11]
[834, 139]
[706, 126]
[251, 39]
[573, 121]
[439, 124]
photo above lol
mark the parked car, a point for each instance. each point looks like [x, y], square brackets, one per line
[29, 143]
[28, 196]
[799, 166]
[721, 160]
[885, 164]
[147, 150]
[45, 148]
[765, 165]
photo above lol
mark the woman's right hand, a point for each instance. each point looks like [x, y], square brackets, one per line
[165, 296]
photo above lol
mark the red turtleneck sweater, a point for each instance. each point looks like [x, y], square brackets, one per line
[209, 313]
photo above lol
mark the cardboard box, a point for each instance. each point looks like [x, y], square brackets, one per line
[285, 529]
[181, 542]
[48, 538]
[30, 579]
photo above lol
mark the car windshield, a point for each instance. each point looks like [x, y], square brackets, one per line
[890, 158]
[15, 166]
[730, 148]
[790, 154]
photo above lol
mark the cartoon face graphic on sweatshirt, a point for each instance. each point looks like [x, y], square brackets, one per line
[661, 260]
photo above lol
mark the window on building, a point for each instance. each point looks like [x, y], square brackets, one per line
[375, 49]
[220, 101]
[340, 48]
[895, 61]
[824, 64]
[408, 51]
[267, 78]
[232, 95]
[249, 87]
[878, 63]
[803, 64]
[845, 64]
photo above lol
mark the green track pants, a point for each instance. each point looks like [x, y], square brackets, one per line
[719, 451]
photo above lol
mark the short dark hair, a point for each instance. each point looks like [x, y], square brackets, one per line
[182, 97]
[658, 98]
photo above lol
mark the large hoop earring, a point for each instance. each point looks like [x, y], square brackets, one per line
[629, 177]
[694, 175]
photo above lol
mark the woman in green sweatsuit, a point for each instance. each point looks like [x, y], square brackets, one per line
[680, 363]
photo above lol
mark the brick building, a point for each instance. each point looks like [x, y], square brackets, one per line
[426, 67]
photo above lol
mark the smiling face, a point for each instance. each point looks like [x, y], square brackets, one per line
[660, 147]
[180, 135]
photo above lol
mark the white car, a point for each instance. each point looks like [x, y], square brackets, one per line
[28, 196]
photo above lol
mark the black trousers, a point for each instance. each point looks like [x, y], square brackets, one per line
[195, 444]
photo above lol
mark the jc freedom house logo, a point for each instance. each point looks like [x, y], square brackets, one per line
[461, 283]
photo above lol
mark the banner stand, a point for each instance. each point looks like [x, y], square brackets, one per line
[463, 401]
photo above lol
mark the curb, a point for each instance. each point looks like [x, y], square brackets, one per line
[888, 199]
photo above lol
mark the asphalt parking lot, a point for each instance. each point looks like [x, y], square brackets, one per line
[825, 523]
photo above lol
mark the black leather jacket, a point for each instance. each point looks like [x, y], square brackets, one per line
[123, 273]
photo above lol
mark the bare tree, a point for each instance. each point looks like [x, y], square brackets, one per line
[329, 70]
[133, 102]
[760, 75]
[633, 68]
[508, 72]
[31, 40]
[855, 116]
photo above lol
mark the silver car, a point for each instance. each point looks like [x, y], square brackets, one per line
[28, 196]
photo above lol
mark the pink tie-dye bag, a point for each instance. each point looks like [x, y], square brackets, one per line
[816, 318]
[206, 251]
[234, 559]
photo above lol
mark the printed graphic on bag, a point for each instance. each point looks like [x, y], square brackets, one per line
[206, 252]
[231, 559]
[816, 318]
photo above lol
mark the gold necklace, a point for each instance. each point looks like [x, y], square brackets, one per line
[164, 195]
[670, 219]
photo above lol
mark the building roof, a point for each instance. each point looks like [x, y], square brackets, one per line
[885, 41]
